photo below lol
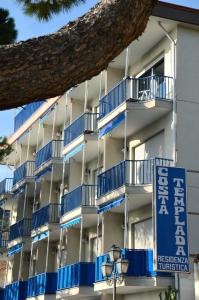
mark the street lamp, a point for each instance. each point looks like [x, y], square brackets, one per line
[115, 268]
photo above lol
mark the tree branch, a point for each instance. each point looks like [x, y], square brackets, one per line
[47, 66]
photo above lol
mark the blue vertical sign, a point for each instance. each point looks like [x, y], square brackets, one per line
[170, 207]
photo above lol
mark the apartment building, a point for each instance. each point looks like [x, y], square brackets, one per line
[83, 172]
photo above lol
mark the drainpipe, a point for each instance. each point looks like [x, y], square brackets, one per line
[174, 50]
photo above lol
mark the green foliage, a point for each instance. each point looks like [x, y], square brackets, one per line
[5, 148]
[170, 294]
[45, 9]
[8, 33]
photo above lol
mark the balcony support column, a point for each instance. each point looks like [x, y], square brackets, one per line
[98, 224]
[54, 120]
[80, 243]
[85, 95]
[83, 163]
[126, 222]
[21, 254]
[125, 134]
[60, 248]
[28, 148]
[51, 184]
[47, 252]
[127, 62]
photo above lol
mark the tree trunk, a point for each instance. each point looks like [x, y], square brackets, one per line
[47, 66]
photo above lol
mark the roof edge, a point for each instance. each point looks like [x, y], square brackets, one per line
[176, 13]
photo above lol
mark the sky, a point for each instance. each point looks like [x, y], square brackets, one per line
[29, 27]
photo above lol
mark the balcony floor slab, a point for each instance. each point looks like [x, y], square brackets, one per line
[21, 183]
[78, 293]
[43, 297]
[92, 146]
[133, 285]
[138, 196]
[54, 230]
[47, 164]
[89, 215]
[26, 241]
[140, 114]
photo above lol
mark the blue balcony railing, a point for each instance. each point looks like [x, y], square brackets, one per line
[129, 172]
[52, 150]
[20, 229]
[26, 113]
[16, 291]
[139, 89]
[41, 284]
[6, 186]
[26, 170]
[83, 195]
[80, 274]
[140, 264]
[86, 123]
[48, 214]
[4, 238]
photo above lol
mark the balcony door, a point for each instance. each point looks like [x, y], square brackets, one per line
[151, 148]
[151, 82]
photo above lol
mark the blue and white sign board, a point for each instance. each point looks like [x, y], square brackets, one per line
[170, 209]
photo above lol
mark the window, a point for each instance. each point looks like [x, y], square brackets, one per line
[143, 234]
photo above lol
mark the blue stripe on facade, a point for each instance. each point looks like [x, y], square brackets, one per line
[112, 124]
[71, 223]
[115, 203]
[15, 249]
[40, 236]
[73, 152]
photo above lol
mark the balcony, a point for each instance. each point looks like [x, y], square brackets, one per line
[82, 129]
[48, 214]
[16, 291]
[79, 201]
[140, 271]
[23, 173]
[86, 123]
[143, 100]
[6, 187]
[26, 113]
[76, 275]
[20, 229]
[137, 89]
[4, 238]
[83, 195]
[42, 284]
[129, 173]
[49, 153]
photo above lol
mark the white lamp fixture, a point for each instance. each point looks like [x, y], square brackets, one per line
[107, 268]
[122, 266]
[114, 253]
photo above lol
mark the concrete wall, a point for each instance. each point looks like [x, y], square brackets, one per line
[162, 125]
[112, 230]
[72, 245]
[75, 174]
[77, 108]
[113, 77]
[112, 151]
[187, 132]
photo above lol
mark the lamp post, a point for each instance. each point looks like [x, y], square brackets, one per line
[115, 268]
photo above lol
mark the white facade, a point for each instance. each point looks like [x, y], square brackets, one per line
[90, 132]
